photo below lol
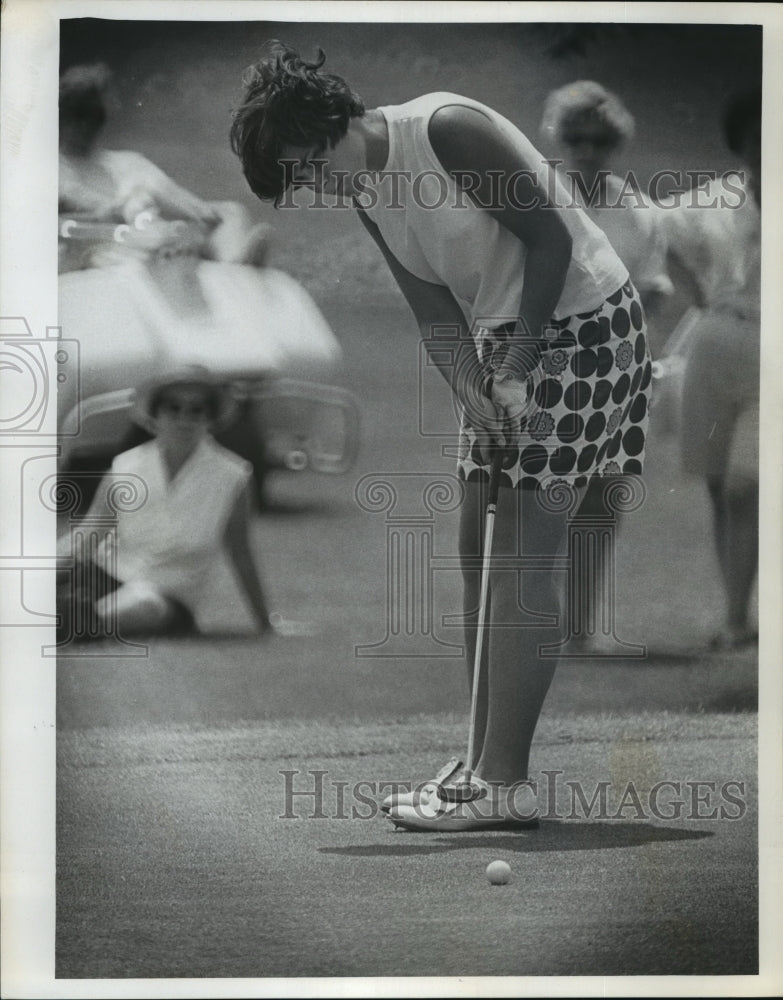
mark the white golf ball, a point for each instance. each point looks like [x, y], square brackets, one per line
[498, 872]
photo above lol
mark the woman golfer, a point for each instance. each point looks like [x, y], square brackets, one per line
[481, 239]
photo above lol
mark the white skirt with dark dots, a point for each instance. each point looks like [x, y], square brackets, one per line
[589, 400]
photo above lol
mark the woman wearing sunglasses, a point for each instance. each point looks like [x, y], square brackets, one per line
[587, 127]
[152, 574]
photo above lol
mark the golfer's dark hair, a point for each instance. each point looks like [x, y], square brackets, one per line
[83, 95]
[742, 113]
[287, 102]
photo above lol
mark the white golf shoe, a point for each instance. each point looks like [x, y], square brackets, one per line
[479, 805]
[448, 774]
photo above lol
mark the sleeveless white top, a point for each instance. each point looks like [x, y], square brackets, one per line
[440, 235]
[172, 541]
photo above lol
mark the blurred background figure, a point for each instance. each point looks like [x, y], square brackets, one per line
[716, 237]
[122, 186]
[152, 275]
[587, 127]
[196, 513]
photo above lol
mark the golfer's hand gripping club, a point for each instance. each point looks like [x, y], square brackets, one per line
[511, 398]
[497, 418]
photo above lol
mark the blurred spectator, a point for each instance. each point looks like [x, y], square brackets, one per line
[196, 511]
[121, 186]
[195, 298]
[718, 240]
[588, 126]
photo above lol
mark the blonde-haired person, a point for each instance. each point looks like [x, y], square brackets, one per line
[154, 575]
[587, 127]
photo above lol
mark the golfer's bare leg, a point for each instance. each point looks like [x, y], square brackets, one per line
[518, 678]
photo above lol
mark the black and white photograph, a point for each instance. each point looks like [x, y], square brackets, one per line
[391, 548]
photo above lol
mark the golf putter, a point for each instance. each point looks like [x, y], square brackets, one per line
[464, 791]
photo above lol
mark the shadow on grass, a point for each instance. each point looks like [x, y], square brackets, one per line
[745, 700]
[551, 835]
[662, 656]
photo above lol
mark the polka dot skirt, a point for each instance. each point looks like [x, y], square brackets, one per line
[589, 399]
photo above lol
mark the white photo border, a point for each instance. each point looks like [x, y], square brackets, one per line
[28, 182]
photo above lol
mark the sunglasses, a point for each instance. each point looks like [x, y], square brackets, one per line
[176, 409]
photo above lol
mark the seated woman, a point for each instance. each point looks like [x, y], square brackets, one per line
[151, 574]
[122, 186]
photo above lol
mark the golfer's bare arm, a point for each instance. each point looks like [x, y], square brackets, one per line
[436, 310]
[237, 539]
[468, 143]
